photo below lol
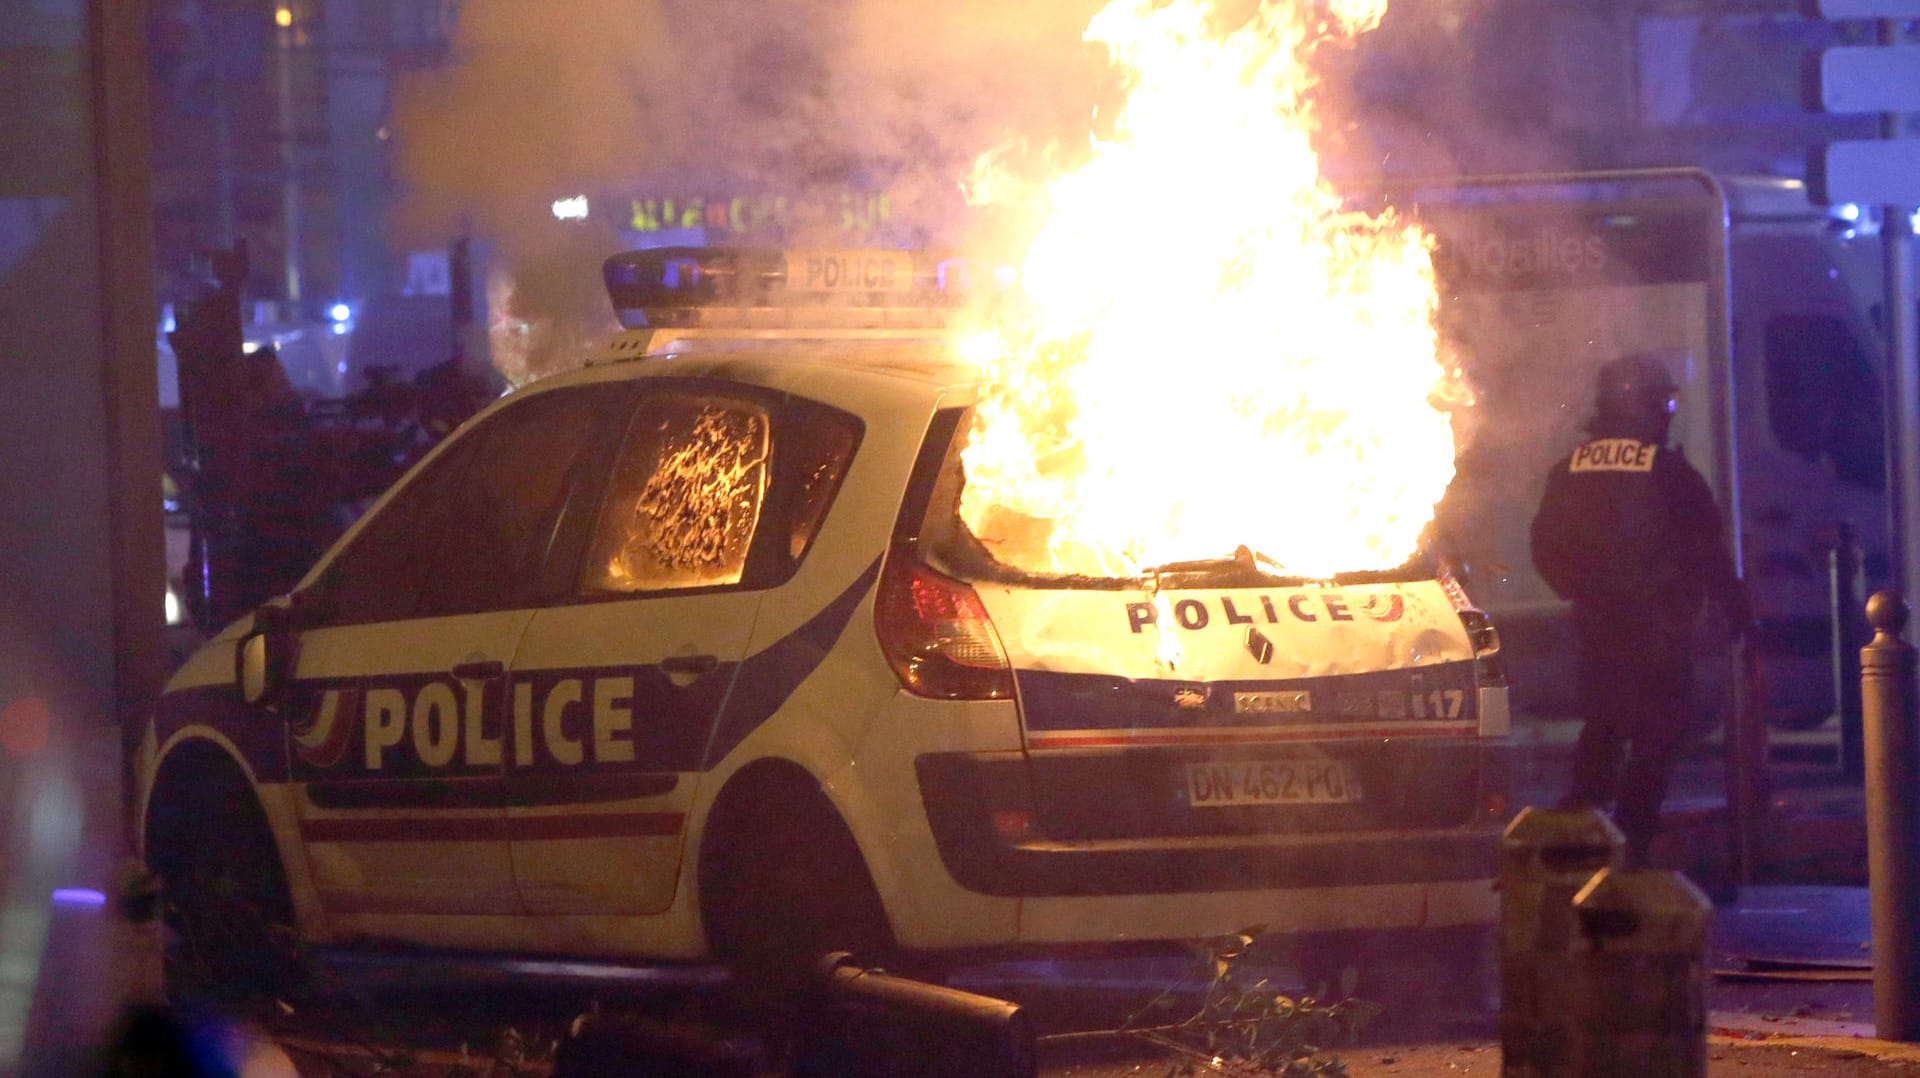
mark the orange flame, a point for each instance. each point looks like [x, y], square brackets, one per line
[1264, 377]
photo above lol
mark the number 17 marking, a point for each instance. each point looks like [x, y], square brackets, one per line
[1442, 703]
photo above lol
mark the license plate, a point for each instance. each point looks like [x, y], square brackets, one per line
[1273, 782]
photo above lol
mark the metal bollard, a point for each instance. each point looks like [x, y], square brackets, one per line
[871, 1023]
[1640, 976]
[1547, 856]
[1892, 766]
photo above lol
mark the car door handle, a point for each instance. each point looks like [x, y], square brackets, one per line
[480, 670]
[694, 665]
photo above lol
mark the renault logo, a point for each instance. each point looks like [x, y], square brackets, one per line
[1259, 646]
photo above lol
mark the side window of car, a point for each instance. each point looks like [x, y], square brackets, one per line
[815, 446]
[507, 514]
[684, 501]
[379, 576]
[476, 529]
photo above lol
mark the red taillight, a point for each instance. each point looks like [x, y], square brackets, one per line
[937, 636]
[1012, 823]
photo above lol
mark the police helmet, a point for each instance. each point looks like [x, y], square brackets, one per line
[1639, 386]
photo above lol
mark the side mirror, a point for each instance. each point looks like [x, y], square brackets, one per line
[263, 660]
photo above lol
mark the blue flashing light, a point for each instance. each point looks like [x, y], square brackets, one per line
[676, 274]
[1847, 211]
[79, 896]
[340, 312]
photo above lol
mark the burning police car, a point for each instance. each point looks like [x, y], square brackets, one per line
[693, 653]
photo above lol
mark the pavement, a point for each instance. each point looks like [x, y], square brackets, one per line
[1791, 945]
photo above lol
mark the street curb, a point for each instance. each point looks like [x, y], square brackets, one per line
[1886, 1051]
[1744, 1024]
[1739, 1030]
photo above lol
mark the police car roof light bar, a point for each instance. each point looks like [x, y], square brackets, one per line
[770, 287]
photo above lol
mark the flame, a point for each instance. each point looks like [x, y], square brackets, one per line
[1168, 650]
[1265, 376]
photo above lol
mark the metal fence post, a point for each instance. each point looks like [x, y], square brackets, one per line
[1892, 765]
[1547, 856]
[1843, 583]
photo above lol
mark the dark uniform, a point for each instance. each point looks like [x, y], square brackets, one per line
[1629, 532]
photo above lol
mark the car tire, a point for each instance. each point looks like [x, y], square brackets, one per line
[224, 900]
[782, 882]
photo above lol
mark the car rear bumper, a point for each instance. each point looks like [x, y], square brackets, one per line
[996, 837]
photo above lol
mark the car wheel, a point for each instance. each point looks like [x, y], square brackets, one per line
[783, 883]
[227, 910]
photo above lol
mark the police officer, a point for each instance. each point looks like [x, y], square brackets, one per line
[1629, 532]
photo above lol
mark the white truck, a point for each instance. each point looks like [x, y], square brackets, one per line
[1773, 298]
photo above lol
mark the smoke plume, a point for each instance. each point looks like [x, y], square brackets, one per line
[775, 98]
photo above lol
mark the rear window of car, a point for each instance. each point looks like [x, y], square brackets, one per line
[1011, 549]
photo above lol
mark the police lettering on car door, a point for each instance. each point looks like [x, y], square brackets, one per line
[438, 726]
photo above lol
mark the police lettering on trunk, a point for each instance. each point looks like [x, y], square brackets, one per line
[1236, 610]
